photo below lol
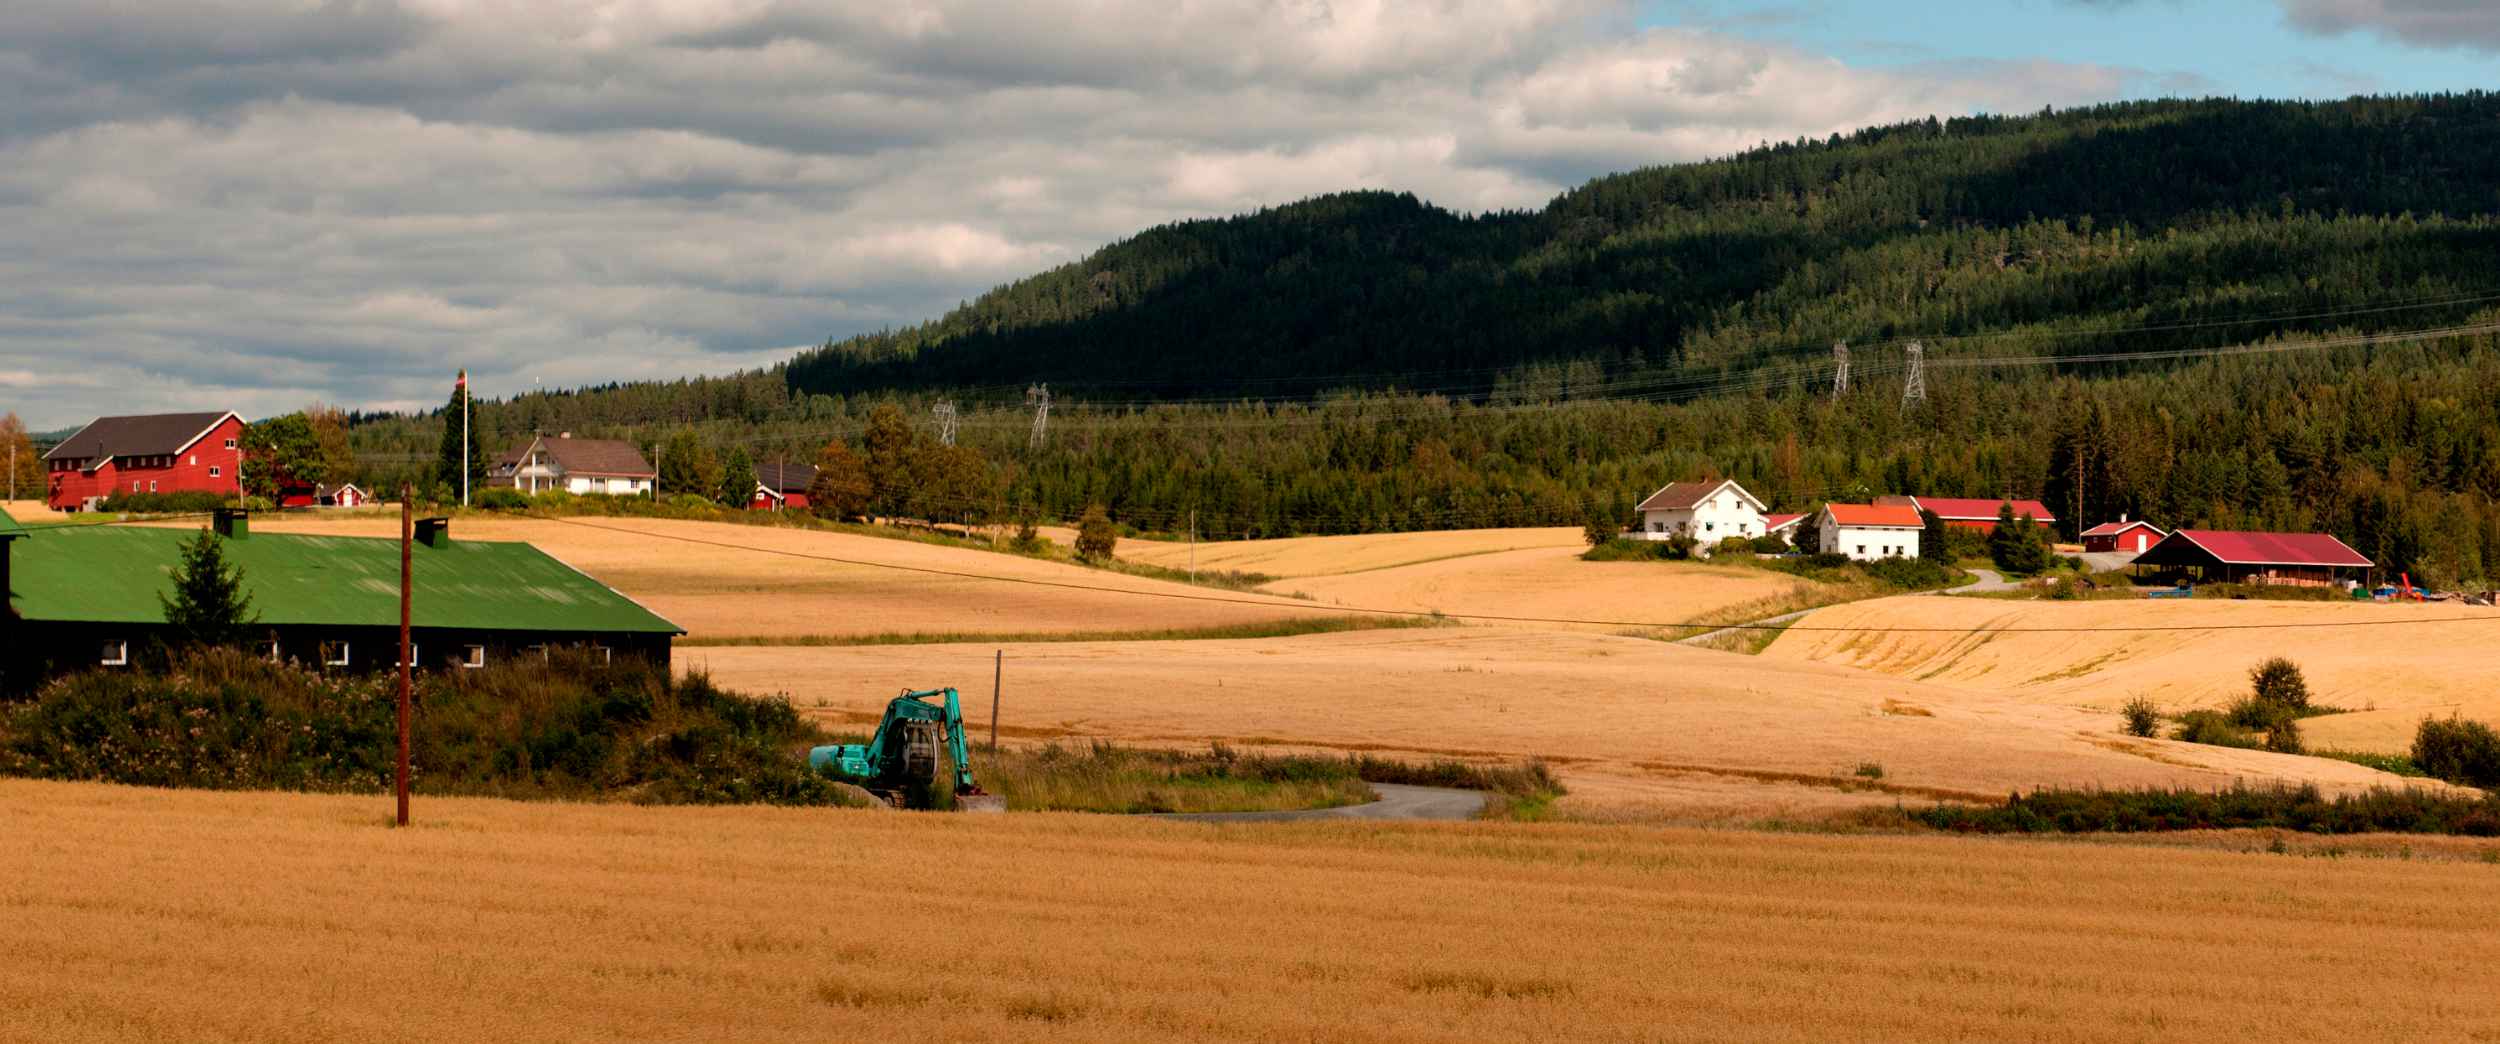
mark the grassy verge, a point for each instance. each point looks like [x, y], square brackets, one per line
[1103, 777]
[2302, 808]
[1269, 629]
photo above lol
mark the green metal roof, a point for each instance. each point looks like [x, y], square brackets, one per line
[114, 574]
[9, 527]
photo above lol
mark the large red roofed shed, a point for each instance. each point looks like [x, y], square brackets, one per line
[1979, 512]
[2302, 559]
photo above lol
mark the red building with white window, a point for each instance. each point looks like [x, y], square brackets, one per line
[159, 453]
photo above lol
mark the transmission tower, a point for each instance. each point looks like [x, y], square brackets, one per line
[946, 421]
[1840, 368]
[1915, 388]
[1039, 396]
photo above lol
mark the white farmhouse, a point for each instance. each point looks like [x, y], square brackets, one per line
[545, 464]
[1867, 532]
[1706, 511]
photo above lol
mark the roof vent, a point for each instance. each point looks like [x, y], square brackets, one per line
[232, 523]
[434, 532]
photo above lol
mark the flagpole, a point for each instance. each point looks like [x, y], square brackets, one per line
[466, 458]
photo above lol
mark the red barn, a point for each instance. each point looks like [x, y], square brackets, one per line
[160, 453]
[2122, 536]
[782, 487]
[1978, 513]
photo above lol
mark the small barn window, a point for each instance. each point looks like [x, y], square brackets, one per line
[414, 657]
[214, 471]
[229, 443]
[334, 654]
[602, 653]
[270, 651]
[116, 653]
[473, 656]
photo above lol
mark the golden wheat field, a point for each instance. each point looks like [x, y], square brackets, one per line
[729, 592]
[33, 511]
[1552, 583]
[143, 914]
[2365, 657]
[1331, 555]
[1627, 721]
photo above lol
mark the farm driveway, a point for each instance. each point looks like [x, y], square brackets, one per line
[1397, 801]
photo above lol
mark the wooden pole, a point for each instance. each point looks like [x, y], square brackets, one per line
[998, 677]
[407, 575]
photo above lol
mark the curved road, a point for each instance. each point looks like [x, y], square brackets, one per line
[1397, 801]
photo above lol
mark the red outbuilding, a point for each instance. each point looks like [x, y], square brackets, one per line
[782, 487]
[2222, 556]
[1978, 513]
[160, 453]
[2125, 536]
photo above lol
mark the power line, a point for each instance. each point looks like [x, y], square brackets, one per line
[1496, 618]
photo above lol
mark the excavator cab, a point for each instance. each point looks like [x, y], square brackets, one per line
[903, 756]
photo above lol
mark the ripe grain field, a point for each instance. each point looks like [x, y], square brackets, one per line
[137, 913]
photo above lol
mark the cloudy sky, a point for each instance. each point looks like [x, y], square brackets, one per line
[227, 204]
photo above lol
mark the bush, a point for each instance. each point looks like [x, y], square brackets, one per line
[2458, 751]
[571, 728]
[1095, 535]
[2279, 807]
[191, 503]
[1771, 544]
[2279, 681]
[500, 498]
[2212, 727]
[2138, 717]
[1736, 546]
[1910, 574]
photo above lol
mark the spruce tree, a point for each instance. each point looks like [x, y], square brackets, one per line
[737, 480]
[208, 605]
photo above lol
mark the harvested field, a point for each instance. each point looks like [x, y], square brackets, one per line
[30, 512]
[1551, 582]
[1626, 721]
[725, 592]
[2393, 674]
[137, 914]
[1333, 555]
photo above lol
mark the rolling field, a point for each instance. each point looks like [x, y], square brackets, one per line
[30, 512]
[731, 593]
[1331, 555]
[137, 914]
[1551, 583]
[1630, 723]
[2392, 676]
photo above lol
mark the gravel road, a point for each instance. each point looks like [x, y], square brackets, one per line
[1397, 801]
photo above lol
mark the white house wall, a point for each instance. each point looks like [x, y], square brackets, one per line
[1868, 543]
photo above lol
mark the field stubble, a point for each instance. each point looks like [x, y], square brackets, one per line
[138, 913]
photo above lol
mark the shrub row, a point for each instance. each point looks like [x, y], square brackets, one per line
[2300, 808]
[2458, 751]
[567, 729]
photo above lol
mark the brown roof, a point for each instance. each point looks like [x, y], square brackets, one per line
[1677, 496]
[786, 478]
[587, 456]
[152, 435]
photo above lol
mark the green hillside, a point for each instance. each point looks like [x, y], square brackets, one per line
[2045, 234]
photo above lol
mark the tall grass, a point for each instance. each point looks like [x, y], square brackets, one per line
[2302, 808]
[1105, 777]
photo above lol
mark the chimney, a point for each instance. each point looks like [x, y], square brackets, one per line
[232, 523]
[434, 532]
[2122, 516]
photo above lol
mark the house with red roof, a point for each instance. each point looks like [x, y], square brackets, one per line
[1866, 532]
[2222, 556]
[2123, 536]
[1978, 513]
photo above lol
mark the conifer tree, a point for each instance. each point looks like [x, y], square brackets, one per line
[208, 605]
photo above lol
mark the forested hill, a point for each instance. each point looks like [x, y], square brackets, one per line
[2066, 232]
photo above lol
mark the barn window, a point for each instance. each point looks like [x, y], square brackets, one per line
[229, 443]
[602, 653]
[473, 656]
[414, 657]
[334, 654]
[195, 460]
[116, 653]
[269, 650]
[214, 471]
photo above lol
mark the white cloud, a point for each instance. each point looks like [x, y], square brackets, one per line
[208, 203]
[2467, 24]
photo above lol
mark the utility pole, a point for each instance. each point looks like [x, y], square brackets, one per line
[1840, 368]
[1193, 545]
[1915, 388]
[466, 456]
[946, 422]
[407, 578]
[998, 677]
[1039, 396]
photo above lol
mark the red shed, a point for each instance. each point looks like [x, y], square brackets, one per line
[780, 487]
[2296, 559]
[1977, 513]
[159, 453]
[2122, 536]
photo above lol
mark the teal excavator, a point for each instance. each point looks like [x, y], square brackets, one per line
[903, 756]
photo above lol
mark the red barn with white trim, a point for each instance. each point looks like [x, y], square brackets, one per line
[1978, 513]
[158, 453]
[2123, 536]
